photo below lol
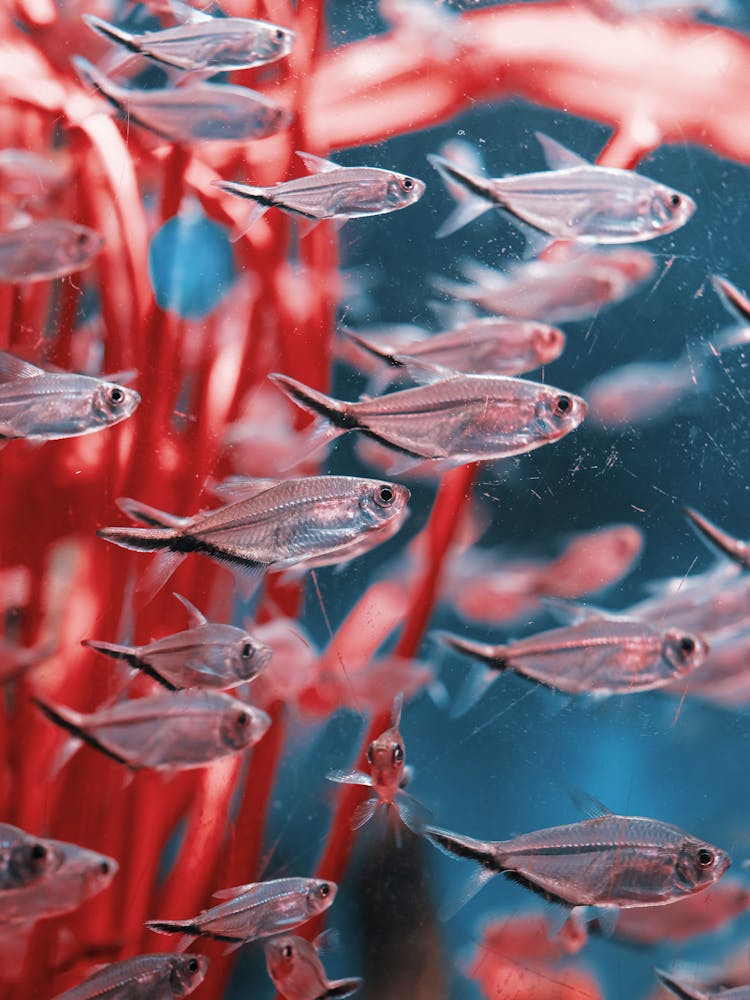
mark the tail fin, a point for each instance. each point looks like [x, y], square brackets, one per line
[138, 539]
[334, 416]
[113, 650]
[111, 32]
[735, 302]
[72, 721]
[735, 549]
[463, 847]
[683, 990]
[384, 353]
[151, 516]
[476, 203]
[341, 988]
[172, 927]
[94, 77]
[257, 194]
[492, 655]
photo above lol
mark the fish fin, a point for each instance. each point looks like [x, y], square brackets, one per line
[234, 891]
[462, 215]
[163, 565]
[12, 368]
[471, 206]
[341, 988]
[234, 946]
[732, 298]
[401, 464]
[463, 847]
[327, 940]
[152, 516]
[407, 776]
[247, 580]
[423, 372]
[606, 919]
[332, 410]
[559, 917]
[438, 693]
[121, 378]
[171, 926]
[383, 353]
[245, 225]
[72, 721]
[364, 812]
[196, 618]
[559, 157]
[492, 655]
[398, 704]
[588, 805]
[474, 885]
[350, 777]
[413, 814]
[573, 612]
[235, 488]
[685, 991]
[317, 164]
[111, 32]
[112, 649]
[66, 752]
[305, 225]
[735, 549]
[472, 691]
[450, 314]
[93, 77]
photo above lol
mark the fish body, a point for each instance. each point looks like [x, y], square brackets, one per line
[465, 418]
[45, 406]
[692, 991]
[298, 974]
[170, 731]
[711, 602]
[636, 393]
[218, 45]
[23, 858]
[144, 977]
[197, 112]
[599, 655]
[46, 249]
[206, 655]
[575, 200]
[256, 910]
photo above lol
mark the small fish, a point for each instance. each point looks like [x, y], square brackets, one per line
[388, 776]
[573, 200]
[144, 977]
[490, 346]
[279, 524]
[46, 406]
[692, 991]
[724, 678]
[46, 249]
[719, 540]
[23, 858]
[173, 731]
[256, 910]
[207, 655]
[197, 112]
[609, 861]
[433, 27]
[218, 45]
[331, 192]
[298, 974]
[466, 418]
[715, 601]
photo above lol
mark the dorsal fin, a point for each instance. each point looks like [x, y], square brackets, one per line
[196, 618]
[559, 157]
[588, 805]
[235, 488]
[234, 891]
[12, 368]
[317, 164]
[398, 704]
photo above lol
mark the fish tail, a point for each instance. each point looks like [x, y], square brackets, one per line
[261, 197]
[334, 416]
[172, 927]
[493, 656]
[72, 721]
[682, 990]
[475, 201]
[463, 847]
[113, 650]
[111, 32]
[150, 516]
[735, 549]
[138, 539]
[379, 352]
[92, 76]
[342, 988]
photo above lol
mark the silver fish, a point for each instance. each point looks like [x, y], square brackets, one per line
[733, 548]
[331, 192]
[315, 521]
[144, 977]
[197, 112]
[710, 602]
[45, 406]
[46, 249]
[23, 858]
[72, 875]
[207, 655]
[256, 910]
[466, 418]
[173, 731]
[298, 974]
[692, 991]
[219, 45]
[574, 200]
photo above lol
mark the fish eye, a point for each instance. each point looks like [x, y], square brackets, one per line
[370, 753]
[675, 200]
[82, 238]
[704, 857]
[687, 645]
[104, 868]
[561, 405]
[247, 651]
[38, 851]
[116, 395]
[287, 951]
[324, 890]
[193, 965]
[279, 35]
[242, 718]
[407, 183]
[398, 753]
[384, 496]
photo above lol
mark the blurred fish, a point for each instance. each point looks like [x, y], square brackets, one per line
[207, 655]
[144, 977]
[15, 660]
[218, 45]
[331, 192]
[197, 112]
[174, 731]
[298, 974]
[574, 283]
[592, 560]
[23, 858]
[278, 524]
[733, 548]
[609, 861]
[388, 776]
[430, 24]
[46, 249]
[680, 9]
[734, 301]
[573, 200]
[45, 406]
[710, 602]
[692, 991]
[30, 178]
[256, 910]
[466, 418]
[640, 392]
[724, 678]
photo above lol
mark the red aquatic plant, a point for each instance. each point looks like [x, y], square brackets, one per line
[652, 81]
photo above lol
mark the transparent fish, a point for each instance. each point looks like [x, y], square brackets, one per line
[197, 112]
[727, 545]
[46, 249]
[171, 731]
[206, 655]
[599, 655]
[573, 200]
[724, 678]
[218, 45]
[256, 910]
[331, 192]
[298, 974]
[388, 776]
[687, 990]
[710, 602]
[144, 977]
[44, 406]
[315, 521]
[23, 858]
[466, 418]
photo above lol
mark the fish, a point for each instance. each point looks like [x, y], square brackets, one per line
[692, 991]
[170, 731]
[388, 776]
[573, 200]
[464, 418]
[719, 540]
[598, 655]
[711, 602]
[330, 192]
[143, 977]
[23, 858]
[15, 660]
[197, 112]
[255, 910]
[46, 249]
[608, 861]
[38, 405]
[489, 346]
[276, 525]
[298, 974]
[218, 45]
[206, 655]
[72, 875]
[724, 678]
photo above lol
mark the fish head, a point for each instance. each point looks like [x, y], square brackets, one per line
[382, 504]
[79, 244]
[247, 657]
[111, 403]
[186, 973]
[547, 343]
[242, 725]
[668, 209]
[634, 265]
[699, 865]
[276, 44]
[402, 190]
[386, 756]
[90, 871]
[557, 413]
[684, 651]
[319, 896]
